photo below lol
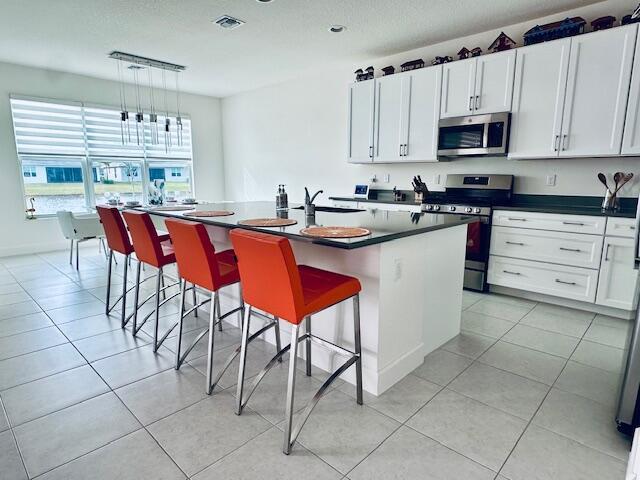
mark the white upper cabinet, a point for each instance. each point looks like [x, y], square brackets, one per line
[597, 91]
[538, 99]
[361, 111]
[478, 85]
[388, 117]
[421, 112]
[494, 82]
[458, 88]
[618, 279]
[631, 137]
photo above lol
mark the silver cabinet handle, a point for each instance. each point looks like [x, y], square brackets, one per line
[565, 283]
[556, 143]
[477, 102]
[471, 103]
[516, 219]
[371, 151]
[564, 141]
[401, 154]
[580, 224]
[514, 243]
[606, 253]
[570, 249]
[511, 273]
[406, 149]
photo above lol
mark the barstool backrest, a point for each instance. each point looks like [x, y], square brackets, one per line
[269, 274]
[115, 230]
[145, 239]
[195, 254]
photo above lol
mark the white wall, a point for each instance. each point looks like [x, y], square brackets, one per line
[296, 133]
[20, 235]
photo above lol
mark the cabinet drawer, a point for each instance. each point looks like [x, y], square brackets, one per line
[558, 280]
[621, 227]
[344, 203]
[550, 221]
[391, 207]
[575, 249]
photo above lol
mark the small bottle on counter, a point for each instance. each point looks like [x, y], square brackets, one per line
[282, 199]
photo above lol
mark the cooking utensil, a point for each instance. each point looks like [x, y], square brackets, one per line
[603, 179]
[616, 178]
[625, 178]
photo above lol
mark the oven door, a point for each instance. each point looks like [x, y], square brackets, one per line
[474, 135]
[477, 256]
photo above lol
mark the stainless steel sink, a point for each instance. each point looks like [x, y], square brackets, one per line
[332, 209]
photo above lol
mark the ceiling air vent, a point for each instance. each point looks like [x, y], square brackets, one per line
[228, 22]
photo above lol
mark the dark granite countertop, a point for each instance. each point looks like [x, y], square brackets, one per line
[563, 204]
[384, 226]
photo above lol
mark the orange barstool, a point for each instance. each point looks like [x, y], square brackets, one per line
[157, 251]
[199, 264]
[273, 282]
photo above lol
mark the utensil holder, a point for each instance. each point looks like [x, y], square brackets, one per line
[610, 202]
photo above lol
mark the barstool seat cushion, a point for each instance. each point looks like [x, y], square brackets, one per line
[322, 288]
[228, 267]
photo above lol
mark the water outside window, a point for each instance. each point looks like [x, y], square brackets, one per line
[54, 185]
[117, 178]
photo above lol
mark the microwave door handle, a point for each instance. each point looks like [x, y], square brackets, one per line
[485, 135]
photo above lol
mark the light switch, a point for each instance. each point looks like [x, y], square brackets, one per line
[551, 180]
[387, 178]
[436, 179]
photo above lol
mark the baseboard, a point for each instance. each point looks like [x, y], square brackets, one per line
[564, 302]
[393, 373]
[34, 248]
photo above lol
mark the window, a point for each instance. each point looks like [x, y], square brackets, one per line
[75, 155]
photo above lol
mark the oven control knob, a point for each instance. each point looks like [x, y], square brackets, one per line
[452, 208]
[429, 207]
[476, 210]
[436, 207]
[468, 209]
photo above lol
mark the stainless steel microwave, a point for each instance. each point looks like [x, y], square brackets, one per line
[474, 135]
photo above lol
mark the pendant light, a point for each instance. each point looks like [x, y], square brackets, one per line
[178, 117]
[153, 116]
[125, 131]
[167, 120]
[139, 115]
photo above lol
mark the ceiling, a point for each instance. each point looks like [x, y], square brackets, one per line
[280, 40]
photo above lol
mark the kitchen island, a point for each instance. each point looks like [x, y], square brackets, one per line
[411, 268]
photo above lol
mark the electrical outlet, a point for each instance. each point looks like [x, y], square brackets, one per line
[436, 179]
[374, 178]
[397, 269]
[551, 180]
[387, 178]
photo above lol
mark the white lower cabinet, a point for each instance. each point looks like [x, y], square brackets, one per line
[579, 257]
[617, 286]
[558, 280]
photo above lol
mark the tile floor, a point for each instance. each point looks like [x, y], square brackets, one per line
[527, 391]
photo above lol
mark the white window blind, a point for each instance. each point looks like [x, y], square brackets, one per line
[47, 128]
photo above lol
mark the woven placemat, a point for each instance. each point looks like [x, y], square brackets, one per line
[209, 213]
[171, 208]
[335, 232]
[267, 222]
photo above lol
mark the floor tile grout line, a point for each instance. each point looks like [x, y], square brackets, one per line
[542, 402]
[13, 436]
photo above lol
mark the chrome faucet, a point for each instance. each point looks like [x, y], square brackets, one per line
[309, 207]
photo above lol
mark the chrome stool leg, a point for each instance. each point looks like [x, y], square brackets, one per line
[136, 296]
[195, 300]
[243, 357]
[124, 292]
[159, 289]
[71, 254]
[109, 262]
[358, 347]
[183, 287]
[291, 387]
[277, 333]
[219, 312]
[307, 352]
[212, 332]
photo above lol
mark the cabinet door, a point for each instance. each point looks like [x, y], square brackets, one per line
[458, 84]
[538, 98]
[631, 136]
[494, 82]
[387, 145]
[361, 109]
[618, 278]
[421, 96]
[597, 92]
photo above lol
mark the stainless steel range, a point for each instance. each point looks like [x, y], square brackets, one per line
[473, 195]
